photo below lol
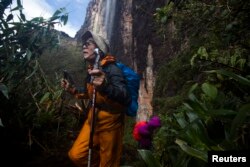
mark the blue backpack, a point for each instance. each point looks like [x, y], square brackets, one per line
[133, 84]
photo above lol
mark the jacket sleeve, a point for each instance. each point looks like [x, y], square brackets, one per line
[115, 87]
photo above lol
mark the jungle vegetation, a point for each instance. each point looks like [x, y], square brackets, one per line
[207, 111]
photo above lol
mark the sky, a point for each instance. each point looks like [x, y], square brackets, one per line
[46, 8]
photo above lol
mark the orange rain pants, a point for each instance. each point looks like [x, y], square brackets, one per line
[107, 141]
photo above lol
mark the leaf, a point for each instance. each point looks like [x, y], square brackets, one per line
[5, 24]
[164, 19]
[65, 20]
[241, 63]
[53, 18]
[191, 151]
[202, 52]
[194, 86]
[37, 19]
[10, 17]
[4, 90]
[239, 120]
[34, 71]
[222, 112]
[1, 123]
[195, 132]
[45, 97]
[149, 159]
[180, 118]
[16, 8]
[19, 3]
[57, 94]
[23, 17]
[210, 90]
[28, 54]
[192, 59]
[195, 105]
[192, 116]
[239, 78]
[57, 12]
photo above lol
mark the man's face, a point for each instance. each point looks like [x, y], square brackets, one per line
[88, 49]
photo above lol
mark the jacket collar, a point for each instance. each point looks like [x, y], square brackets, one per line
[107, 60]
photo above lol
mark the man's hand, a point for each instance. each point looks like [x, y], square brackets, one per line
[65, 84]
[98, 77]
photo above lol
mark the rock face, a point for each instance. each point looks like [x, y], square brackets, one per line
[113, 20]
[130, 28]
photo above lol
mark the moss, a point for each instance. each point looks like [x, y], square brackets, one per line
[167, 105]
[174, 79]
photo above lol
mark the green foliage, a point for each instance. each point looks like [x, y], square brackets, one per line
[30, 103]
[214, 114]
[233, 59]
[191, 151]
[148, 157]
[193, 127]
[239, 78]
[129, 126]
[163, 13]
[22, 42]
[67, 56]
[168, 81]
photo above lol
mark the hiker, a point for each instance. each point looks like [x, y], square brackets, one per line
[143, 132]
[112, 99]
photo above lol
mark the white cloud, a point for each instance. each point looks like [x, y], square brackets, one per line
[68, 28]
[70, 1]
[37, 8]
[40, 8]
[79, 1]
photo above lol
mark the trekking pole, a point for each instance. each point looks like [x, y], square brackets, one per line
[93, 114]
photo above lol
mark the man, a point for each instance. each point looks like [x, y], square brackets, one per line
[112, 98]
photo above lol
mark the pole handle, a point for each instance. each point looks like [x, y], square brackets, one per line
[93, 114]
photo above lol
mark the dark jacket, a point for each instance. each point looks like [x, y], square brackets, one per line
[113, 96]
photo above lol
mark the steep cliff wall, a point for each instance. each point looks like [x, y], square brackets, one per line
[130, 27]
[113, 20]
